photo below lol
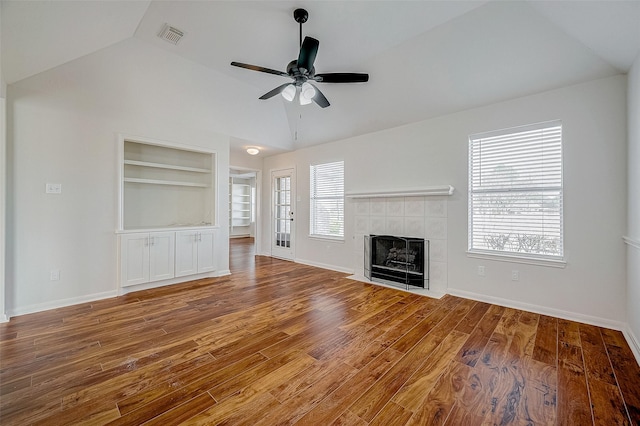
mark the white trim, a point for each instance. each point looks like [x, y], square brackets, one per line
[324, 266]
[172, 281]
[39, 307]
[426, 191]
[326, 238]
[3, 202]
[544, 310]
[167, 229]
[294, 206]
[517, 259]
[632, 242]
[633, 342]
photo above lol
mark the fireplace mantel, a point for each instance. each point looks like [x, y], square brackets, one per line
[416, 192]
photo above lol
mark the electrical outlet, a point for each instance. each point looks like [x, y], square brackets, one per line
[53, 188]
[481, 271]
[515, 275]
[54, 275]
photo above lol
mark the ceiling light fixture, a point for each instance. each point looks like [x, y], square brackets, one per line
[253, 151]
[289, 92]
[307, 92]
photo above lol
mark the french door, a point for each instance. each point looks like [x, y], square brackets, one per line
[283, 224]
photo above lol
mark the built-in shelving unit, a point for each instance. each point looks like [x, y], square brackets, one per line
[240, 205]
[166, 229]
[166, 186]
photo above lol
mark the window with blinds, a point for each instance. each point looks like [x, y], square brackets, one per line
[327, 200]
[515, 191]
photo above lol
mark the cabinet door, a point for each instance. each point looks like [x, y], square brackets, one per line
[134, 262]
[186, 253]
[206, 259]
[161, 256]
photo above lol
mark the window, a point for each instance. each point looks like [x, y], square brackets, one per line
[327, 200]
[515, 192]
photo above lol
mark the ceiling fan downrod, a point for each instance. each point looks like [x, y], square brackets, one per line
[301, 16]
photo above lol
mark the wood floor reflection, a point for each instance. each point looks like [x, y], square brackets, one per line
[283, 343]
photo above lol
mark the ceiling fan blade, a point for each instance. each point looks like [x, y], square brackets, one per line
[274, 92]
[258, 68]
[319, 98]
[341, 77]
[308, 53]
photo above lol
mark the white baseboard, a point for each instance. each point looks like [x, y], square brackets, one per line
[62, 303]
[4, 318]
[324, 266]
[544, 310]
[223, 273]
[633, 342]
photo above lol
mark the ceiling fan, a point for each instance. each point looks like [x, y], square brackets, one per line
[302, 72]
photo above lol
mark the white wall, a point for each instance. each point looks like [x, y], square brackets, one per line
[240, 159]
[633, 215]
[590, 288]
[62, 128]
[3, 184]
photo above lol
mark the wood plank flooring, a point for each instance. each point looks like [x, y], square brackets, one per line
[281, 343]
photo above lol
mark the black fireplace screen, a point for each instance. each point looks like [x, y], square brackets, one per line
[398, 259]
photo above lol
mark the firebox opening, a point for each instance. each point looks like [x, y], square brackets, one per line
[402, 260]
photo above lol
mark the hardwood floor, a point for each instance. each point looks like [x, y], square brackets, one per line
[283, 343]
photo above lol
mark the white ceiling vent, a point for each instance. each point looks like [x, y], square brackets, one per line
[171, 34]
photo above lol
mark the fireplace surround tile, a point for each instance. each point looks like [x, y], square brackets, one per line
[362, 225]
[438, 250]
[395, 206]
[362, 207]
[377, 225]
[414, 227]
[377, 207]
[394, 226]
[414, 206]
[436, 228]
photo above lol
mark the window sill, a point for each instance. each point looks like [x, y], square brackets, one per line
[552, 263]
[327, 238]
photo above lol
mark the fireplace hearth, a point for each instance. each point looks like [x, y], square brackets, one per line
[393, 260]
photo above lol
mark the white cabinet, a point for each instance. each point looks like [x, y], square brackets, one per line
[194, 252]
[146, 257]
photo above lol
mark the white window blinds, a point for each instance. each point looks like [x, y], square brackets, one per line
[327, 200]
[515, 191]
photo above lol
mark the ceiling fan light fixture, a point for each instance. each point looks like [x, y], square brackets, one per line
[289, 92]
[307, 92]
[253, 151]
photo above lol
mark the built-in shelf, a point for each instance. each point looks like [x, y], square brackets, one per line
[165, 182]
[165, 166]
[417, 192]
[239, 206]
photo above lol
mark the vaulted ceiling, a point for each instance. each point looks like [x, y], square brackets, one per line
[424, 58]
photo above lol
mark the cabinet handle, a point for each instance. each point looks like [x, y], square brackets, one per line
[199, 236]
[153, 242]
[146, 242]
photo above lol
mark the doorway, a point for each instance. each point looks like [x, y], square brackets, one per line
[283, 225]
[244, 204]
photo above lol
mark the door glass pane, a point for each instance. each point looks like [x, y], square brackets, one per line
[282, 208]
